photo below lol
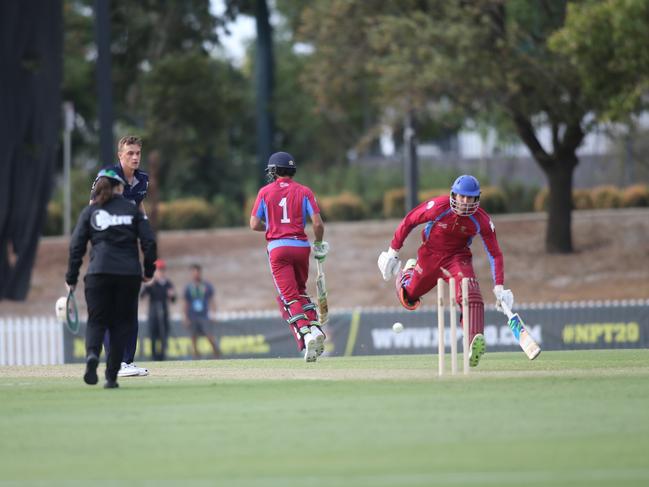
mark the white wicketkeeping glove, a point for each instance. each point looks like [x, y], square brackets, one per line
[320, 250]
[389, 263]
[503, 296]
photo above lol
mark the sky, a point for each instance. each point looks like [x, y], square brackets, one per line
[242, 31]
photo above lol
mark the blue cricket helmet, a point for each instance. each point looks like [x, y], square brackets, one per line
[281, 159]
[466, 185]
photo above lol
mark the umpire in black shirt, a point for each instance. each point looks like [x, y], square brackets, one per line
[112, 282]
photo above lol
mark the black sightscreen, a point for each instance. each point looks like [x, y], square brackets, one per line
[30, 123]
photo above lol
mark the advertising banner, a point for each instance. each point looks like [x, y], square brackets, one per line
[566, 326]
[560, 326]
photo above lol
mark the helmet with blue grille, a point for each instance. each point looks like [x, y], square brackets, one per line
[468, 186]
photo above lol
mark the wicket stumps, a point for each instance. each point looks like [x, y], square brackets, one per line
[441, 331]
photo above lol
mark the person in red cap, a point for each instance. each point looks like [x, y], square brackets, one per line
[160, 291]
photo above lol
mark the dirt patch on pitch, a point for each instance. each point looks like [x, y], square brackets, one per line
[224, 373]
[299, 372]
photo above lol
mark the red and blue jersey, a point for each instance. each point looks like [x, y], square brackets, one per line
[284, 206]
[448, 233]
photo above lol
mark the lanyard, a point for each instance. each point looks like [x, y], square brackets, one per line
[197, 291]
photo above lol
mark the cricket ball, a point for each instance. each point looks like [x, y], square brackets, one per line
[397, 327]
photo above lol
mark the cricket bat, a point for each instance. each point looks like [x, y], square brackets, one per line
[525, 340]
[321, 287]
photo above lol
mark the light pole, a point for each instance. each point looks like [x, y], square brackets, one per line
[411, 178]
[68, 126]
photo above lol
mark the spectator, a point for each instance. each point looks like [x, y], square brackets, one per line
[160, 291]
[199, 301]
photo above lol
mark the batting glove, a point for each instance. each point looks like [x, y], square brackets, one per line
[389, 263]
[320, 250]
[503, 296]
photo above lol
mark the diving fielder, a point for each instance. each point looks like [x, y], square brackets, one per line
[281, 210]
[451, 224]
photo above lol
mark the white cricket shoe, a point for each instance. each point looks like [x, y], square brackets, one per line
[127, 370]
[320, 339]
[132, 370]
[142, 371]
[310, 348]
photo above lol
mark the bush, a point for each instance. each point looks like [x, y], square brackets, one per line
[184, 214]
[541, 200]
[607, 196]
[394, 203]
[370, 184]
[582, 199]
[428, 194]
[636, 195]
[492, 200]
[518, 197]
[394, 200]
[247, 208]
[343, 207]
[227, 212]
[53, 219]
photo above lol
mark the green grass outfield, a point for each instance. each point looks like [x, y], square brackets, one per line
[566, 419]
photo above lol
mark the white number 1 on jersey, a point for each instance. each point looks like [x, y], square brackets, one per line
[285, 218]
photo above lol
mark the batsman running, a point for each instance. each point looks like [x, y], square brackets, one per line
[451, 224]
[281, 209]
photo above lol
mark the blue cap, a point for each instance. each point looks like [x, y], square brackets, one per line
[281, 159]
[466, 185]
[111, 174]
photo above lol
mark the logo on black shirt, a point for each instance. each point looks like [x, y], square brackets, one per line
[101, 220]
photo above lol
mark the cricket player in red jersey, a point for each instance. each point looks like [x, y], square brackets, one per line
[451, 224]
[281, 211]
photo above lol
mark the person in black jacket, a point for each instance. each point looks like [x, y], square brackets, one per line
[129, 153]
[161, 291]
[113, 225]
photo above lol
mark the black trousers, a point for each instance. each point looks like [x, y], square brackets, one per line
[112, 302]
[159, 329]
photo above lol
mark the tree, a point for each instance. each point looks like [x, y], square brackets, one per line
[298, 123]
[191, 107]
[480, 57]
[314, 138]
[336, 73]
[264, 75]
[265, 83]
[192, 103]
[606, 42]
